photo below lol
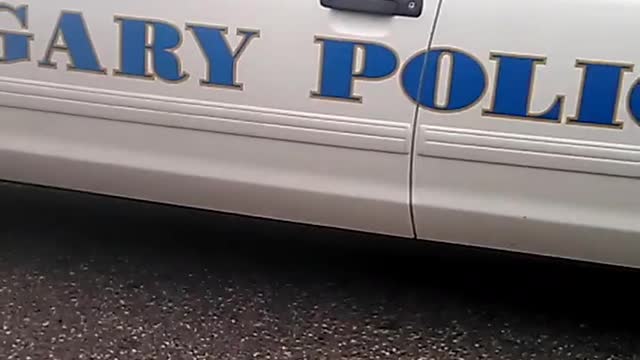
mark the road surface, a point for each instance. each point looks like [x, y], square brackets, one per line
[85, 277]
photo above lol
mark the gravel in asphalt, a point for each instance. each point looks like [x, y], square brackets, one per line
[85, 277]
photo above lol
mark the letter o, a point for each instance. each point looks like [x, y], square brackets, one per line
[467, 82]
[634, 101]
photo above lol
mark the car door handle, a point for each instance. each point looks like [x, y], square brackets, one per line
[412, 8]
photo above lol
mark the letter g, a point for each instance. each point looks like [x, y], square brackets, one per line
[16, 45]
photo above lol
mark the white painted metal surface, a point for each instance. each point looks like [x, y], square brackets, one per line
[278, 136]
[268, 149]
[554, 188]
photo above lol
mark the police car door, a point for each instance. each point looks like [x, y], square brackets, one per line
[289, 109]
[528, 136]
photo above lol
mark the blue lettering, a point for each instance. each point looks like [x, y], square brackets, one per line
[600, 93]
[513, 89]
[634, 101]
[71, 28]
[339, 68]
[221, 59]
[135, 47]
[467, 81]
[16, 44]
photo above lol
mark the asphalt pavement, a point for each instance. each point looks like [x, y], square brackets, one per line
[88, 277]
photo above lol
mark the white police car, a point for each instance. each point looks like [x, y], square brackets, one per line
[497, 123]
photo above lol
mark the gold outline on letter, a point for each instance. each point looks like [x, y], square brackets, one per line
[151, 76]
[49, 64]
[531, 116]
[248, 36]
[353, 98]
[581, 64]
[23, 26]
[444, 49]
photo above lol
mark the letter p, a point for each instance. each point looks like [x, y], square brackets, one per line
[340, 68]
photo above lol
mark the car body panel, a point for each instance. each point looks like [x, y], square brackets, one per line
[562, 188]
[293, 111]
[262, 145]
